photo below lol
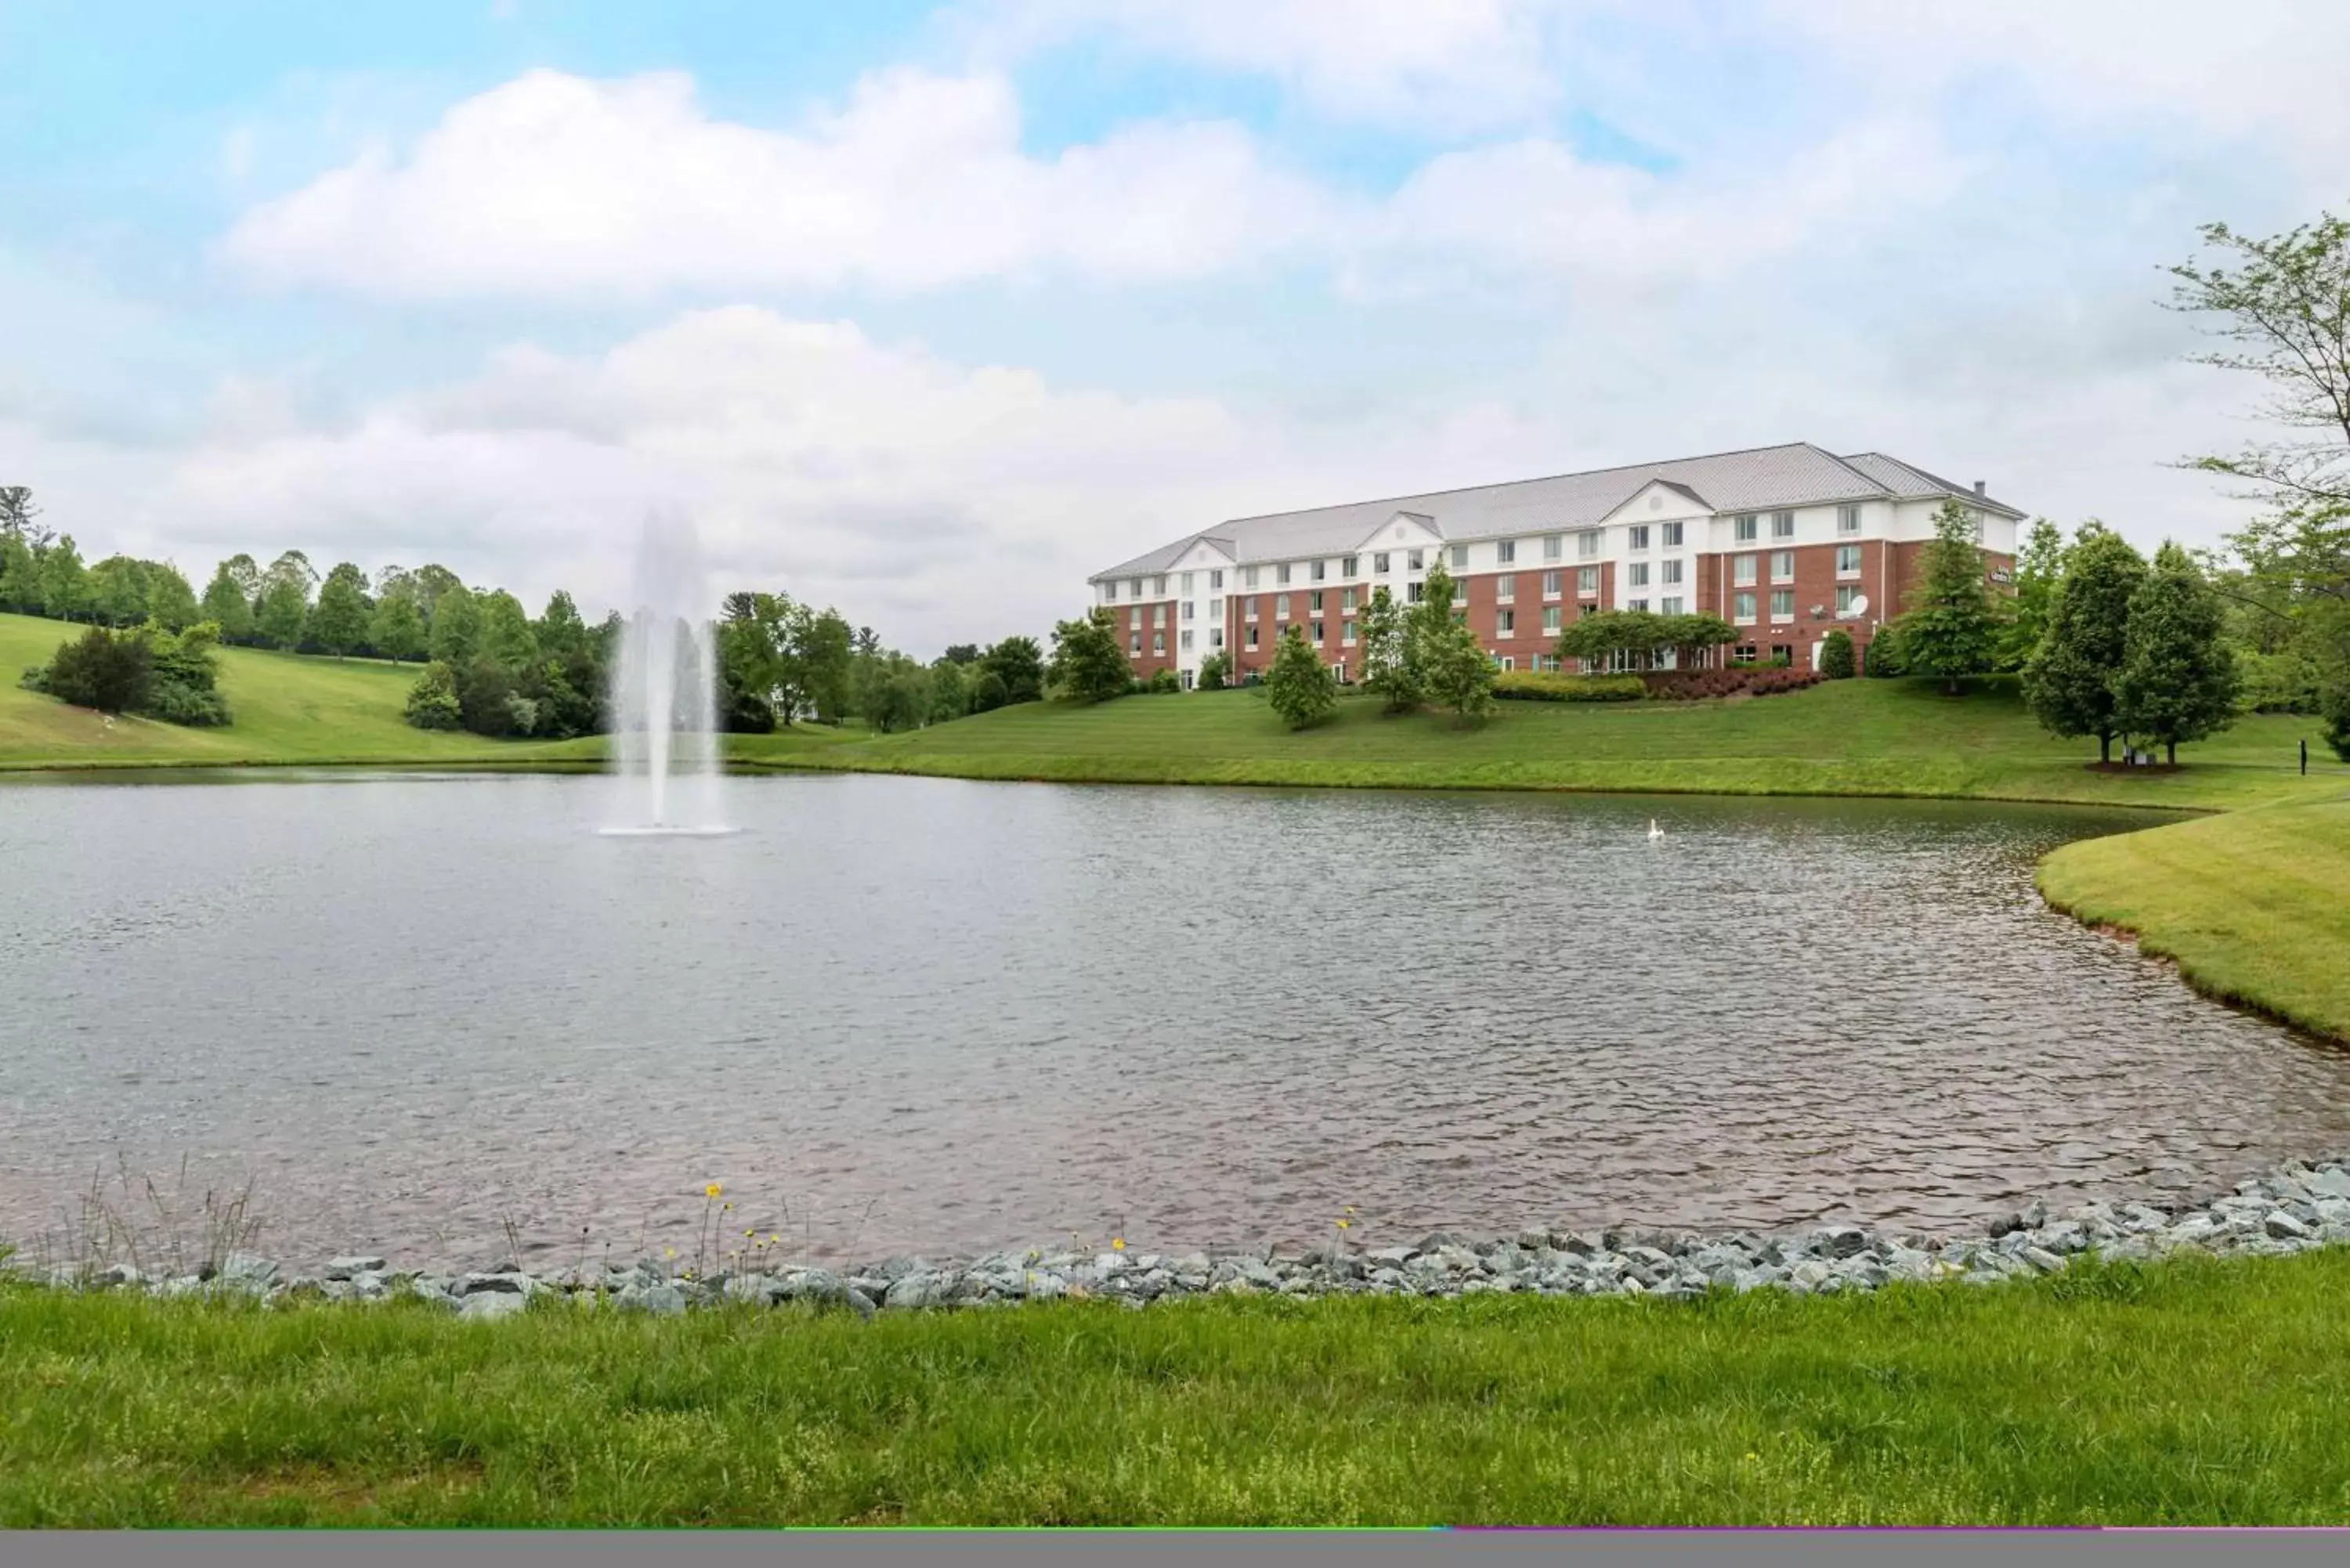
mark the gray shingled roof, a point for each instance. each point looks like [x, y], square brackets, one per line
[1757, 480]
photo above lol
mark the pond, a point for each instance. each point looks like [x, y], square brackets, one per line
[934, 1016]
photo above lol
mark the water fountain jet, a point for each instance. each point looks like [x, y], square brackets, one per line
[664, 692]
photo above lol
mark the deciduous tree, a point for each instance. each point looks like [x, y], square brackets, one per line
[2069, 683]
[1087, 663]
[1385, 670]
[340, 621]
[1300, 686]
[2178, 679]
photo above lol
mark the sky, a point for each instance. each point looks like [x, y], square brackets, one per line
[927, 311]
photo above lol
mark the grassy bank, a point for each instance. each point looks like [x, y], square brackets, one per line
[2254, 906]
[2199, 1391]
[1850, 737]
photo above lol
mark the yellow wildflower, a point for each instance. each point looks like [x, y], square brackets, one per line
[712, 1191]
[669, 1251]
[1117, 1244]
[1344, 1224]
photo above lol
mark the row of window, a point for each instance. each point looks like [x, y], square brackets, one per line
[1783, 604]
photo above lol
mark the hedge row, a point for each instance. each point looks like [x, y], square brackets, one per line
[1758, 680]
[1535, 686]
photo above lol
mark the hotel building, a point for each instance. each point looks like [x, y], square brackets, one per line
[1785, 543]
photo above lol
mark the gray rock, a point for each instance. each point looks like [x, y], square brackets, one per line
[482, 1305]
[2046, 1262]
[356, 1264]
[2284, 1227]
[1839, 1240]
[859, 1302]
[660, 1300]
[506, 1284]
[915, 1290]
[244, 1268]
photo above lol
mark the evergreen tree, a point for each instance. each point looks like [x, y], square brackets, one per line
[559, 632]
[227, 604]
[2069, 683]
[1386, 670]
[340, 621]
[2178, 679]
[1836, 661]
[2038, 570]
[1300, 686]
[1953, 630]
[1087, 663]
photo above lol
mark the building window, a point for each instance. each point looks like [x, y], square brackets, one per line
[1508, 664]
[1742, 569]
[1976, 518]
[1158, 588]
[1216, 581]
[1248, 641]
[1412, 592]
[1215, 637]
[1316, 597]
[1186, 640]
[1743, 528]
[1673, 536]
[1586, 582]
[1350, 566]
[1638, 536]
[1782, 524]
[1159, 615]
[1184, 583]
[1158, 642]
[1640, 604]
[1347, 598]
[1281, 573]
[1671, 604]
[1414, 560]
[1460, 558]
[1743, 608]
[1782, 566]
[1668, 572]
[1281, 606]
[1743, 654]
[1188, 607]
[1505, 623]
[1109, 592]
[1318, 570]
[1783, 604]
[1848, 518]
[1505, 587]
[1379, 563]
[1845, 593]
[1134, 588]
[1315, 634]
[1586, 544]
[1551, 618]
[1847, 560]
[1637, 575]
[1248, 577]
[1347, 632]
[1248, 606]
[1215, 609]
[1783, 653]
[1505, 552]
[1554, 545]
[1134, 619]
[1134, 642]
[1550, 584]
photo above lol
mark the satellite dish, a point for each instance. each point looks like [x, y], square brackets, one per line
[1860, 604]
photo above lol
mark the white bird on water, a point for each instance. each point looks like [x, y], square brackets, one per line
[1654, 831]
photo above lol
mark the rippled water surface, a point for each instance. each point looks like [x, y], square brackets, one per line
[924, 1015]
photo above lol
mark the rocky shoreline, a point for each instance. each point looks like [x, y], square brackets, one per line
[2292, 1208]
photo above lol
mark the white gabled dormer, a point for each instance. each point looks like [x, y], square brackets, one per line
[1658, 501]
[1404, 531]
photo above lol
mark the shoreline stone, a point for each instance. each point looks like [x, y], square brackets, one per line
[2296, 1208]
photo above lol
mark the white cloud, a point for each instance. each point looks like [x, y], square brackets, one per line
[560, 186]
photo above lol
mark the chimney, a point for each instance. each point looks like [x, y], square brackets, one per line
[1979, 485]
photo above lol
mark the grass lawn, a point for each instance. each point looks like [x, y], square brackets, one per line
[2255, 904]
[2198, 1391]
[1849, 737]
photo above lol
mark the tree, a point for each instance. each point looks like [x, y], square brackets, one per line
[505, 631]
[117, 592]
[171, 602]
[901, 698]
[295, 567]
[1216, 671]
[2178, 679]
[108, 670]
[951, 681]
[2069, 683]
[241, 570]
[396, 628]
[559, 633]
[284, 609]
[1443, 659]
[1019, 663]
[340, 621]
[961, 653]
[987, 691]
[17, 514]
[1087, 663]
[1300, 686]
[20, 573]
[1951, 631]
[2038, 570]
[65, 584]
[227, 605]
[1690, 636]
[1386, 670]
[1836, 661]
[456, 633]
[825, 655]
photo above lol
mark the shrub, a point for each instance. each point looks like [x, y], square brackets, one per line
[1535, 686]
[1215, 671]
[1752, 680]
[1837, 660]
[522, 715]
[1166, 681]
[1301, 688]
[1884, 657]
[432, 701]
[177, 702]
[111, 671]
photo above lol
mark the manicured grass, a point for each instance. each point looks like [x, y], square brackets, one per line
[2254, 906]
[2198, 1391]
[1850, 737]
